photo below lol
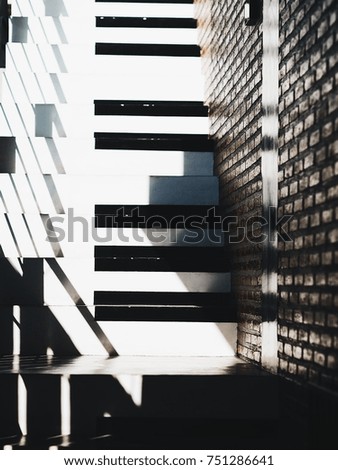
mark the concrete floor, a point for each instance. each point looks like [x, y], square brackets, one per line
[135, 402]
[124, 365]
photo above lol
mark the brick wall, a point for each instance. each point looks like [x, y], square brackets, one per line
[308, 173]
[232, 66]
[308, 189]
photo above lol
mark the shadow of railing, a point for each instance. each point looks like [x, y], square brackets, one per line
[81, 306]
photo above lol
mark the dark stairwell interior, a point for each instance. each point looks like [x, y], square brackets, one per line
[55, 392]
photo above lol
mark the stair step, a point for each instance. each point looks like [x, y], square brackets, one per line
[146, 35]
[150, 108]
[77, 121]
[145, 9]
[189, 142]
[81, 59]
[160, 259]
[196, 299]
[148, 398]
[196, 125]
[150, 281]
[158, 313]
[46, 156]
[165, 216]
[171, 50]
[145, 22]
[84, 88]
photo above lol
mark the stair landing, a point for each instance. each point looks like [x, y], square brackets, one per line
[135, 402]
[128, 365]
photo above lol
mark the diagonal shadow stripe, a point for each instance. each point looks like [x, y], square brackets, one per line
[85, 312]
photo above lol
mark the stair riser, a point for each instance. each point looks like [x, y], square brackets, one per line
[70, 243]
[84, 88]
[63, 30]
[102, 162]
[68, 156]
[70, 330]
[146, 36]
[59, 195]
[77, 121]
[68, 281]
[148, 124]
[148, 10]
[79, 59]
[164, 281]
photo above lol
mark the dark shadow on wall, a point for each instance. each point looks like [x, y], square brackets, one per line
[104, 395]
[7, 154]
[9, 423]
[39, 328]
[89, 398]
[4, 13]
[43, 405]
[11, 284]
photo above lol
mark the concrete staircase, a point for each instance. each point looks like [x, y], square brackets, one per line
[156, 129]
[116, 278]
[102, 116]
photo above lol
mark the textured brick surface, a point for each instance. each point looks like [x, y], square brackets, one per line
[232, 66]
[308, 189]
[308, 173]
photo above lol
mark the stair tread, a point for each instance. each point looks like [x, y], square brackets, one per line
[172, 50]
[146, 22]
